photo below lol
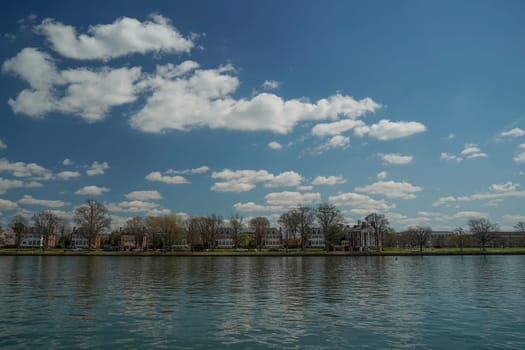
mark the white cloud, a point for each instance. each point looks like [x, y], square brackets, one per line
[520, 157]
[67, 162]
[391, 189]
[203, 99]
[133, 206]
[29, 170]
[200, 170]
[97, 168]
[253, 207]
[174, 180]
[508, 186]
[8, 184]
[143, 195]
[84, 92]
[363, 203]
[336, 128]
[328, 180]
[305, 188]
[275, 145]
[450, 157]
[469, 215]
[246, 180]
[396, 158]
[124, 36]
[337, 141]
[472, 150]
[382, 175]
[6, 204]
[271, 84]
[386, 130]
[516, 132]
[451, 136]
[29, 200]
[287, 198]
[92, 190]
[66, 175]
[3, 145]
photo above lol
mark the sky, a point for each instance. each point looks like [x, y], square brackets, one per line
[412, 109]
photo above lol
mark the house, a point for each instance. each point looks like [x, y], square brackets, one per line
[315, 238]
[362, 237]
[272, 239]
[32, 239]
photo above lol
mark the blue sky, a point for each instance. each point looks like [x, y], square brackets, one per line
[413, 109]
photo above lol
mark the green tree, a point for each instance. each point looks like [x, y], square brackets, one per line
[19, 227]
[93, 218]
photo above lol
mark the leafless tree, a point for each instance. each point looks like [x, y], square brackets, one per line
[305, 217]
[460, 237]
[167, 228]
[289, 222]
[379, 224]
[483, 230]
[236, 224]
[93, 218]
[45, 223]
[260, 225]
[137, 227]
[520, 226]
[330, 221]
[421, 235]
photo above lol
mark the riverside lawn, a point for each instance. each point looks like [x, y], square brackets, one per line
[265, 252]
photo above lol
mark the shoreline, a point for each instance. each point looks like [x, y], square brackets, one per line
[255, 254]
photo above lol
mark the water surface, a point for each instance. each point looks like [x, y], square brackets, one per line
[438, 302]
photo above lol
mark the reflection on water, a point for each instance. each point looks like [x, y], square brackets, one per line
[267, 302]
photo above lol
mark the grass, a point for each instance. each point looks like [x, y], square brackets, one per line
[263, 252]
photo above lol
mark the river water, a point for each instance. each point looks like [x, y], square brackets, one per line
[431, 302]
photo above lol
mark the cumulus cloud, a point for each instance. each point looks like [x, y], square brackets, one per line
[66, 175]
[520, 157]
[174, 180]
[469, 215]
[29, 200]
[391, 189]
[275, 145]
[337, 141]
[67, 162]
[254, 207]
[122, 37]
[3, 145]
[27, 170]
[396, 158]
[336, 128]
[143, 195]
[8, 184]
[516, 132]
[97, 168]
[450, 157]
[386, 130]
[200, 170]
[496, 192]
[246, 180]
[270, 84]
[328, 180]
[6, 204]
[508, 186]
[133, 206]
[88, 93]
[382, 175]
[472, 150]
[92, 190]
[360, 202]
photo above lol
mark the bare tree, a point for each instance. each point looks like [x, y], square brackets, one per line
[483, 230]
[421, 235]
[19, 226]
[520, 226]
[289, 221]
[137, 227]
[379, 224]
[45, 223]
[93, 217]
[236, 225]
[330, 220]
[260, 225]
[305, 217]
[460, 237]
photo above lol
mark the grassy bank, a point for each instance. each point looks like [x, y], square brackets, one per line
[251, 252]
